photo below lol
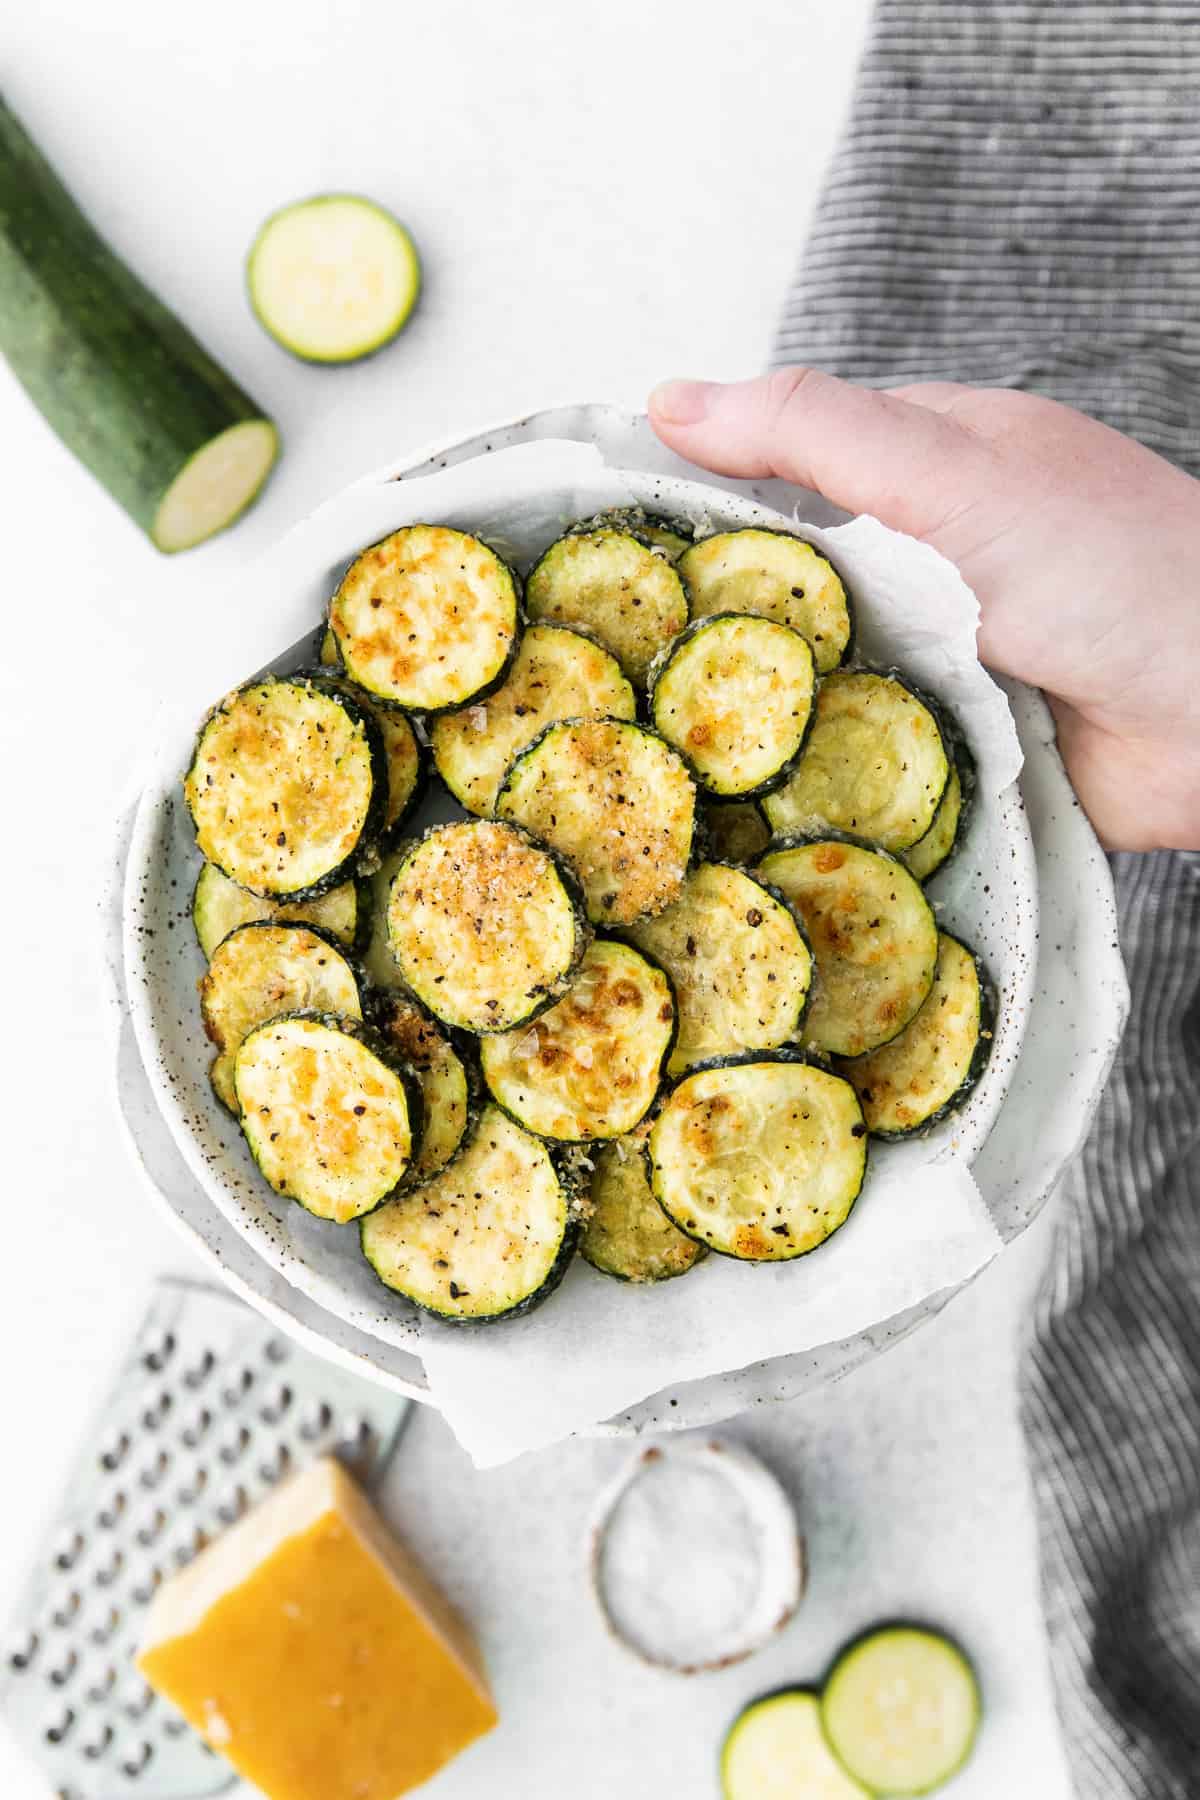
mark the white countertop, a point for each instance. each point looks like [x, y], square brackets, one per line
[602, 199]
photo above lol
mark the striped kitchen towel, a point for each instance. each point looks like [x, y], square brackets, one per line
[1017, 203]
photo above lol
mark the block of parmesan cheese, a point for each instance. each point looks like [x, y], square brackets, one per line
[308, 1648]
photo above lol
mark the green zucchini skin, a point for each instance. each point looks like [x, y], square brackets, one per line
[395, 813]
[219, 906]
[691, 573]
[849, 1652]
[805, 1745]
[627, 1235]
[671, 537]
[121, 380]
[927, 856]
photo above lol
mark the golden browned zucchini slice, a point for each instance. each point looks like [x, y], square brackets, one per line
[627, 1234]
[445, 1088]
[219, 906]
[777, 576]
[614, 586]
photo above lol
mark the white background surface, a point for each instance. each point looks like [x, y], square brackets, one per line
[603, 198]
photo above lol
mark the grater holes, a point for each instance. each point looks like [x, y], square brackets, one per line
[104, 1626]
[22, 1651]
[276, 1405]
[112, 1458]
[102, 1683]
[272, 1467]
[189, 1544]
[137, 1697]
[356, 1440]
[58, 1726]
[151, 1526]
[148, 1586]
[194, 1486]
[276, 1351]
[156, 1412]
[66, 1607]
[317, 1421]
[158, 1354]
[97, 1741]
[200, 1370]
[108, 1571]
[174, 1725]
[238, 1386]
[233, 1505]
[69, 1551]
[154, 1470]
[64, 1668]
[110, 1513]
[235, 1445]
[135, 1757]
[196, 1427]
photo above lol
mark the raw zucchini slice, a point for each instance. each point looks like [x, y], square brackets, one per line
[487, 927]
[426, 619]
[911, 1083]
[590, 1066]
[760, 1157]
[736, 831]
[872, 932]
[557, 674]
[617, 802]
[777, 576]
[489, 1237]
[614, 586]
[286, 786]
[333, 278]
[901, 1708]
[445, 1089]
[263, 969]
[738, 957]
[776, 1750]
[943, 837]
[734, 694]
[219, 906]
[331, 1116]
[627, 1234]
[875, 764]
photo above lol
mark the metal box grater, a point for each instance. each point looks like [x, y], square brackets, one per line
[209, 1409]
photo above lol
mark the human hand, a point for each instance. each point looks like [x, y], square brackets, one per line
[1082, 545]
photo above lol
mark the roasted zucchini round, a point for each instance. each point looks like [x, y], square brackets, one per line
[332, 1117]
[736, 831]
[739, 960]
[426, 619]
[627, 1234]
[760, 1157]
[379, 959]
[872, 933]
[901, 1709]
[615, 587]
[403, 755]
[777, 576]
[929, 853]
[490, 1237]
[734, 694]
[617, 802]
[590, 1066]
[670, 537]
[219, 906]
[446, 1100]
[557, 673]
[487, 926]
[287, 786]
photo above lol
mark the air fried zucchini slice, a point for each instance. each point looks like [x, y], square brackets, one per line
[617, 802]
[615, 587]
[872, 932]
[901, 1708]
[735, 831]
[776, 1750]
[590, 1066]
[670, 537]
[446, 1098]
[777, 576]
[426, 618]
[761, 1157]
[734, 694]
[627, 1234]
[487, 926]
[938, 845]
[219, 906]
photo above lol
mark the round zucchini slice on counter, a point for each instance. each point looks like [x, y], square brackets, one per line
[219, 906]
[487, 927]
[331, 1116]
[777, 576]
[759, 1157]
[557, 673]
[260, 970]
[900, 1709]
[914, 1081]
[938, 845]
[617, 802]
[875, 764]
[736, 830]
[287, 785]
[488, 1238]
[426, 619]
[333, 278]
[739, 961]
[872, 932]
[627, 1234]
[734, 694]
[590, 1066]
[614, 586]
[776, 1750]
[445, 1088]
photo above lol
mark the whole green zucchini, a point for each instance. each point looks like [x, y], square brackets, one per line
[124, 384]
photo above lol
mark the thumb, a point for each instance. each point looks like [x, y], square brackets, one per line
[866, 451]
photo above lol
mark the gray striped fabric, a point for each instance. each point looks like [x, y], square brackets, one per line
[1017, 203]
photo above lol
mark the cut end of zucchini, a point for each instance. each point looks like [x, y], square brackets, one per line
[333, 278]
[776, 1750]
[901, 1709]
[215, 486]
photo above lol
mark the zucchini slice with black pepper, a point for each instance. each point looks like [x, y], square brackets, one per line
[613, 585]
[736, 831]
[260, 970]
[872, 933]
[331, 1115]
[426, 619]
[445, 1086]
[777, 576]
[901, 1708]
[287, 786]
[219, 906]
[734, 694]
[875, 764]
[739, 961]
[929, 853]
[590, 1066]
[617, 802]
[490, 1237]
[487, 926]
[910, 1084]
[333, 278]
[627, 1234]
[404, 754]
[557, 673]
[760, 1157]
[670, 537]
[776, 1750]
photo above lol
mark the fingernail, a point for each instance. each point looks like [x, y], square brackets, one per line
[683, 402]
